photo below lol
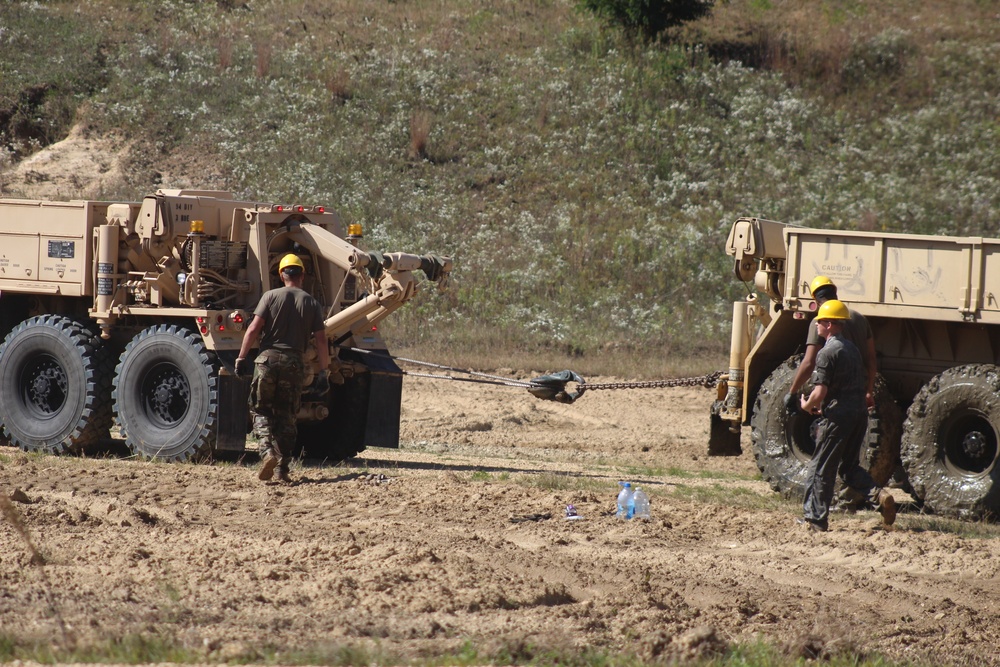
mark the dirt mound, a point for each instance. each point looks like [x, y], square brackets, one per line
[460, 536]
[78, 167]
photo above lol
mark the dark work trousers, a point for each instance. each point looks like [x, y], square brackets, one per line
[839, 434]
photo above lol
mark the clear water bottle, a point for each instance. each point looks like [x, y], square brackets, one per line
[641, 501]
[626, 502]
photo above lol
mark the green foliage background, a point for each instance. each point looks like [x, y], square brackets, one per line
[584, 184]
[647, 19]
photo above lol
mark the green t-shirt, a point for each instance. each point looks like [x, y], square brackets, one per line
[291, 318]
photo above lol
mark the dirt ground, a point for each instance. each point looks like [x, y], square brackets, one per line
[416, 551]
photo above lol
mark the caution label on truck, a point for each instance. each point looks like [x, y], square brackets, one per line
[62, 249]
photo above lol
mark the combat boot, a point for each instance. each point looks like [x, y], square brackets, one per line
[849, 500]
[887, 507]
[812, 526]
[267, 470]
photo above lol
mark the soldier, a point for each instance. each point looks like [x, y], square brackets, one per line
[838, 396]
[285, 319]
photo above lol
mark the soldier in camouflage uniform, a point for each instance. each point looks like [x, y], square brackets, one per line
[285, 320]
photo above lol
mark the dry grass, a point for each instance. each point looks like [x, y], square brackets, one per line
[224, 47]
[339, 85]
[814, 44]
[263, 53]
[420, 132]
[17, 522]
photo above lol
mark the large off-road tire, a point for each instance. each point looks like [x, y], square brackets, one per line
[166, 394]
[783, 445]
[950, 442]
[54, 389]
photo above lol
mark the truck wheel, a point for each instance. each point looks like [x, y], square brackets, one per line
[54, 384]
[950, 442]
[783, 444]
[166, 394]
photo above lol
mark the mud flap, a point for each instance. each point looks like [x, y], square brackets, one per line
[721, 440]
[365, 410]
[385, 397]
[234, 413]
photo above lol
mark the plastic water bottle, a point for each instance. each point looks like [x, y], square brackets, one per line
[641, 502]
[626, 502]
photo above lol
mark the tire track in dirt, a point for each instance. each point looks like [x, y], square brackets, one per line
[414, 549]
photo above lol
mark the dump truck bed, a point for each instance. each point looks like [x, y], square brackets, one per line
[898, 275]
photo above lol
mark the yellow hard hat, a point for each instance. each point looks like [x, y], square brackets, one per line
[818, 282]
[288, 260]
[833, 310]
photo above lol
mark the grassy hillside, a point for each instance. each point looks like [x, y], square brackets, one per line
[585, 185]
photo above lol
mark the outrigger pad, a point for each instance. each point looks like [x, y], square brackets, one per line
[553, 387]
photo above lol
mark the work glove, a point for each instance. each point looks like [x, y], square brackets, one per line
[792, 405]
[321, 384]
[242, 367]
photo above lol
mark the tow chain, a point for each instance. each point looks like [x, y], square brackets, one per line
[708, 381]
[551, 387]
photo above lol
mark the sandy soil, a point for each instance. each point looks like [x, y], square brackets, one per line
[420, 549]
[77, 167]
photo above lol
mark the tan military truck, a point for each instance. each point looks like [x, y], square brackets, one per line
[135, 312]
[934, 306]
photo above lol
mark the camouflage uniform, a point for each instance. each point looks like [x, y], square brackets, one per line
[291, 316]
[275, 394]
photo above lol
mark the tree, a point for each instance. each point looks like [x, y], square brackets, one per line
[647, 18]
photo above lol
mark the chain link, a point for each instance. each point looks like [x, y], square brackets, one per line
[708, 381]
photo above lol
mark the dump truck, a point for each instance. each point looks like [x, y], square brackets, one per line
[134, 312]
[934, 307]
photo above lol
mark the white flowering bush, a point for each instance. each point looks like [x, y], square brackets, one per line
[584, 186]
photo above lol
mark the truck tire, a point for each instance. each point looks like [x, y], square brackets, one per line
[950, 442]
[166, 394]
[783, 445]
[54, 384]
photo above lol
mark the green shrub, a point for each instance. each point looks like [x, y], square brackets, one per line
[52, 59]
[648, 18]
[883, 56]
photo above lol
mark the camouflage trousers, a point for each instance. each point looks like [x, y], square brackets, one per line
[275, 396]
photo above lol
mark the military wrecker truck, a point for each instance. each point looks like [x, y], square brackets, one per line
[933, 303]
[135, 312]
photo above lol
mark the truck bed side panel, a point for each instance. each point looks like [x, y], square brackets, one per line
[49, 244]
[900, 275]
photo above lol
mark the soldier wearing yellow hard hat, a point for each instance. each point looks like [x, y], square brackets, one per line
[290, 260]
[838, 398]
[857, 330]
[286, 320]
